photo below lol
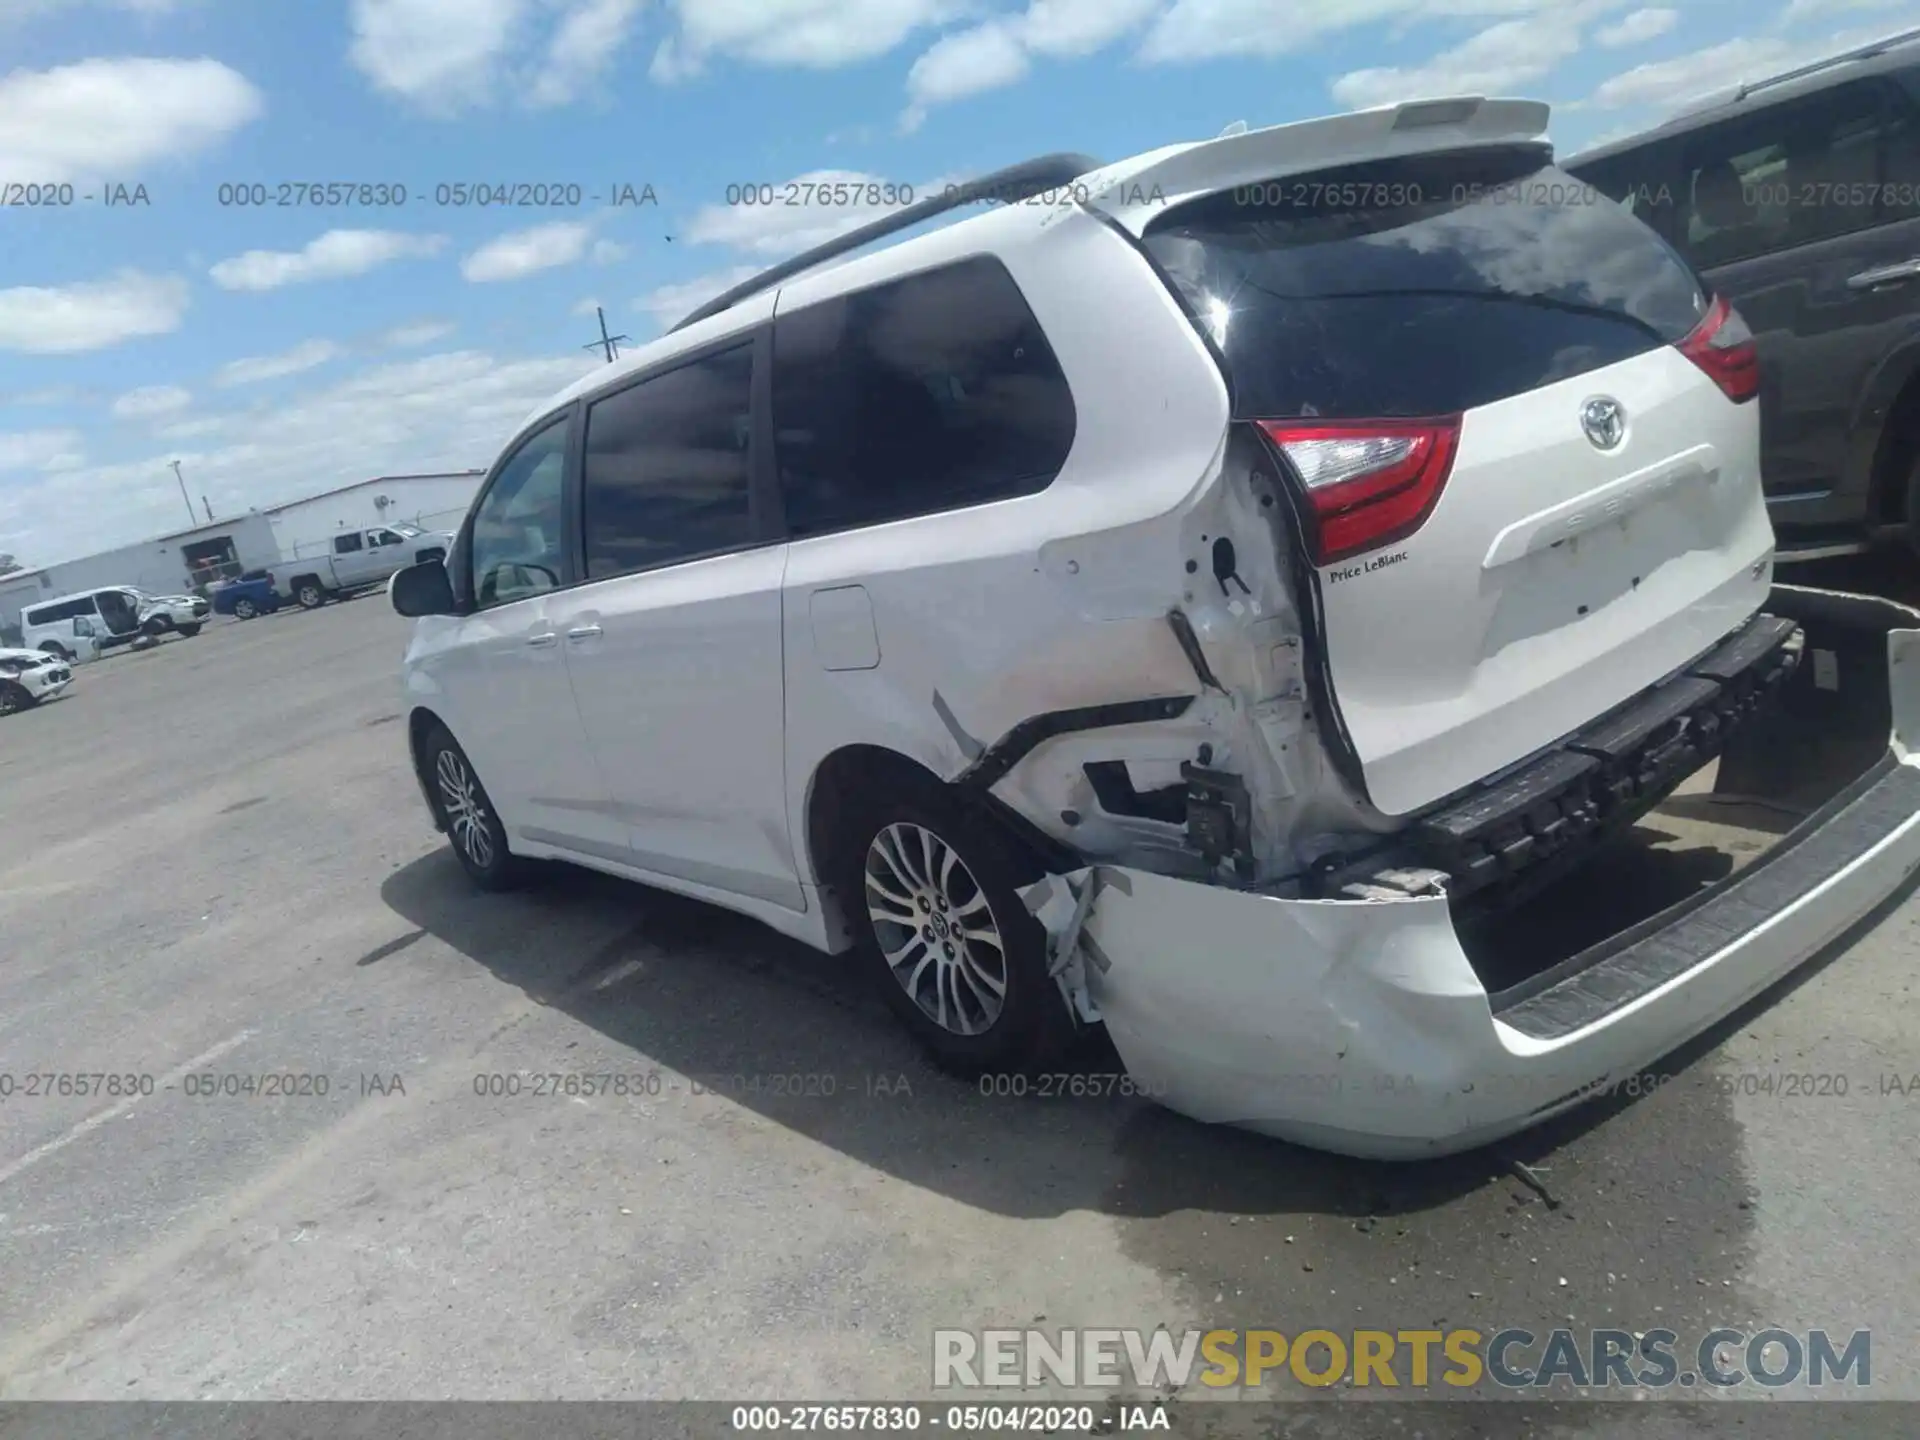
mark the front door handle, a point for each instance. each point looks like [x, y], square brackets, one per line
[1886, 275]
[583, 632]
[541, 641]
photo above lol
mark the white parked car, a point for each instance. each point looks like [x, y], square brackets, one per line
[29, 676]
[356, 560]
[80, 626]
[1178, 597]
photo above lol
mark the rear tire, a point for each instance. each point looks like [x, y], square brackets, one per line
[189, 631]
[310, 595]
[932, 897]
[466, 812]
[245, 609]
[15, 697]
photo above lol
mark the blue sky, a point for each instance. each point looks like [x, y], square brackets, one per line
[278, 351]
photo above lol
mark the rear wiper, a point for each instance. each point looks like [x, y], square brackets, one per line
[1540, 302]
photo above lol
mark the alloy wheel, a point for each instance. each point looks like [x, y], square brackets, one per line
[465, 810]
[936, 929]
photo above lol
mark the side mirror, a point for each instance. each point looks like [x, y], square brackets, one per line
[422, 589]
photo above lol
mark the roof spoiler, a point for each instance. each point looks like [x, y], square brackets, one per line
[1015, 182]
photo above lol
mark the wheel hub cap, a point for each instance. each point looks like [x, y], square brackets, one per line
[936, 929]
[466, 813]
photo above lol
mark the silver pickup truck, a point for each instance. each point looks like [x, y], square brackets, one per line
[358, 559]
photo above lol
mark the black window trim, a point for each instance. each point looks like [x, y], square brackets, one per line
[838, 296]
[765, 517]
[468, 602]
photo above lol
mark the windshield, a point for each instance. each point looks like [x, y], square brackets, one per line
[1423, 286]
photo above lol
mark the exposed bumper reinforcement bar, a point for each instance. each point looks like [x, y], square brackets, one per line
[1360, 1026]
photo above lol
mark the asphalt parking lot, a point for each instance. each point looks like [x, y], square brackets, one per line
[214, 862]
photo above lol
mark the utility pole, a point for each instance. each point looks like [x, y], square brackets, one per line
[192, 519]
[606, 342]
[208, 507]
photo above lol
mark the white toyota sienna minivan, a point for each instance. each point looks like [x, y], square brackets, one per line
[1340, 513]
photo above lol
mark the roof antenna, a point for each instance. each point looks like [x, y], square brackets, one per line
[1238, 127]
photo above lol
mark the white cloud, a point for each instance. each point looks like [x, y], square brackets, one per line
[813, 34]
[587, 307]
[151, 401]
[1080, 27]
[445, 56]
[65, 460]
[523, 252]
[986, 57]
[1210, 29]
[336, 254]
[606, 252]
[193, 429]
[439, 54]
[1667, 82]
[113, 117]
[439, 412]
[784, 229]
[90, 315]
[1801, 10]
[255, 368]
[587, 41]
[1638, 28]
[670, 304]
[35, 449]
[420, 332]
[1496, 61]
[1001, 51]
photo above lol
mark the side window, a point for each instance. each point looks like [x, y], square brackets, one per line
[34, 617]
[83, 627]
[1799, 172]
[668, 472]
[516, 530]
[931, 393]
[346, 544]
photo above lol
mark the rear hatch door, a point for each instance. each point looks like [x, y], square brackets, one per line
[1521, 501]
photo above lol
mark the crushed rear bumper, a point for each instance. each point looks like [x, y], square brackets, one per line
[1360, 1026]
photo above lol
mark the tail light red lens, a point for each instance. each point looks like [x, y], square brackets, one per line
[1370, 482]
[1722, 345]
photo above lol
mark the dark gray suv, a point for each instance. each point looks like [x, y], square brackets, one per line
[1798, 198]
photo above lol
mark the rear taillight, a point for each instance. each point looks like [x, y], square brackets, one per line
[1370, 482]
[1722, 345]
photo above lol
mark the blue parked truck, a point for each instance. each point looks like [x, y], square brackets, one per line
[249, 594]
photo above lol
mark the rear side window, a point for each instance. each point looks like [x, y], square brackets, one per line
[1795, 173]
[668, 475]
[1421, 286]
[927, 394]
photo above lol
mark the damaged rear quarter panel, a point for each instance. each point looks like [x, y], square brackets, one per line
[1045, 602]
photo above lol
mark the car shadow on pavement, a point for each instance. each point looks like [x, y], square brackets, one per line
[801, 1039]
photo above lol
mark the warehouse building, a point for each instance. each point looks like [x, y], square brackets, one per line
[176, 563]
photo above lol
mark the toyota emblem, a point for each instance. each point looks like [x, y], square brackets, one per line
[1604, 421]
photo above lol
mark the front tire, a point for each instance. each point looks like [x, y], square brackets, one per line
[15, 697]
[932, 895]
[472, 824]
[189, 631]
[58, 651]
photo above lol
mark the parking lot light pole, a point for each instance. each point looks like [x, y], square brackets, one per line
[192, 519]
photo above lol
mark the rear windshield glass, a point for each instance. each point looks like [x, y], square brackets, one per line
[1420, 286]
